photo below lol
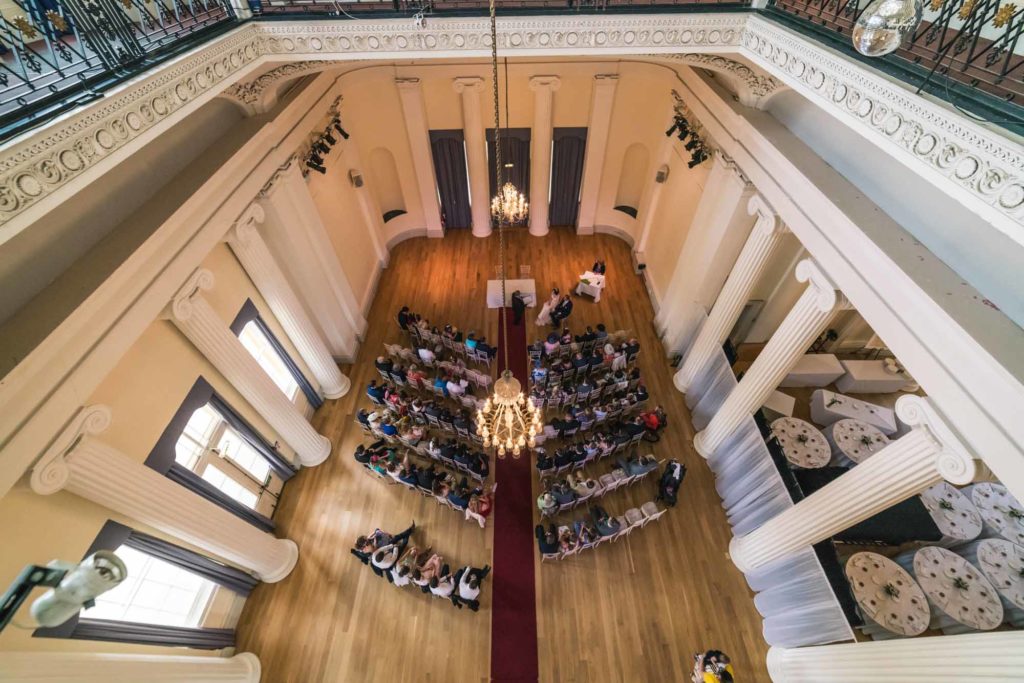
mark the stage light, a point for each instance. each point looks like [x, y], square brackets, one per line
[331, 140]
[341, 131]
[691, 145]
[668, 133]
[320, 169]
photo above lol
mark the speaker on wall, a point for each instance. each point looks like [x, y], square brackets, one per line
[355, 177]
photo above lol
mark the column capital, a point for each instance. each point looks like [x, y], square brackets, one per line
[954, 462]
[407, 83]
[181, 307]
[768, 222]
[243, 230]
[606, 79]
[274, 181]
[730, 164]
[51, 473]
[829, 297]
[551, 83]
[468, 83]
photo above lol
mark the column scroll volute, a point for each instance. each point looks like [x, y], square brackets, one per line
[51, 472]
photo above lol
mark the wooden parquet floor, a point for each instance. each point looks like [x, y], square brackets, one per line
[633, 611]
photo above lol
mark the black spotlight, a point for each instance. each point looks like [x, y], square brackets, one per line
[691, 145]
[341, 131]
[668, 133]
[321, 147]
[316, 158]
[315, 166]
[331, 140]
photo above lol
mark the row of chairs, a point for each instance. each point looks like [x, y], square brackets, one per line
[614, 450]
[579, 398]
[421, 448]
[586, 424]
[421, 337]
[572, 348]
[426, 493]
[557, 377]
[410, 356]
[635, 518]
[606, 484]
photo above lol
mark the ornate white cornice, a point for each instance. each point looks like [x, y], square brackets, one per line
[753, 88]
[259, 94]
[932, 140]
[45, 160]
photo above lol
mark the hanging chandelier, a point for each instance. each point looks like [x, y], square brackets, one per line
[508, 421]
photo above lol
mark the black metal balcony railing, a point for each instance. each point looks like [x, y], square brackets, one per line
[966, 51]
[53, 51]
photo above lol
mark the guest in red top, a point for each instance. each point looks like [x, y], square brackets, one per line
[480, 506]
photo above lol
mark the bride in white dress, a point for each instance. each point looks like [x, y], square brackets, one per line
[544, 317]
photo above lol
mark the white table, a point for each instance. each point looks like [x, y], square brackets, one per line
[803, 444]
[888, 596]
[593, 286]
[1002, 563]
[870, 377]
[828, 407]
[814, 370]
[953, 512]
[854, 441]
[779, 405]
[961, 598]
[528, 288]
[1000, 511]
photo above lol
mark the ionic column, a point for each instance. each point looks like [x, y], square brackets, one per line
[470, 88]
[926, 455]
[763, 239]
[252, 252]
[996, 657]
[295, 233]
[84, 465]
[543, 88]
[597, 143]
[102, 667]
[411, 96]
[197, 320]
[802, 325]
[719, 222]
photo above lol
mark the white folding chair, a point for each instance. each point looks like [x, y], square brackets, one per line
[550, 556]
[634, 517]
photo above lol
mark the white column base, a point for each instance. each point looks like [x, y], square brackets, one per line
[681, 383]
[698, 445]
[322, 453]
[291, 558]
[339, 390]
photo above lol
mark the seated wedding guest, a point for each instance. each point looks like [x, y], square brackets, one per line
[471, 340]
[387, 428]
[632, 347]
[566, 539]
[376, 393]
[582, 485]
[428, 571]
[671, 480]
[384, 364]
[384, 558]
[563, 494]
[400, 576]
[712, 666]
[366, 545]
[456, 387]
[364, 453]
[635, 464]
[484, 347]
[600, 332]
[480, 505]
[586, 336]
[599, 267]
[566, 337]
[425, 477]
[440, 383]
[546, 503]
[539, 372]
[563, 457]
[442, 485]
[606, 524]
[363, 417]
[552, 344]
[409, 475]
[459, 495]
[442, 586]
[480, 465]
[544, 461]
[547, 539]
[426, 355]
[468, 580]
[403, 318]
[415, 375]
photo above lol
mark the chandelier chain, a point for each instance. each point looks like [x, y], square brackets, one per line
[499, 179]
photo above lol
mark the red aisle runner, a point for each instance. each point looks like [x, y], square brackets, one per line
[514, 611]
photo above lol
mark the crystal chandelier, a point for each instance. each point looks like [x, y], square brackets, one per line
[508, 421]
[509, 205]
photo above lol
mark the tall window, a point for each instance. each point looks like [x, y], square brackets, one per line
[155, 592]
[256, 342]
[212, 449]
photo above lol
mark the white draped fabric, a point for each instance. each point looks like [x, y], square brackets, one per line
[793, 594]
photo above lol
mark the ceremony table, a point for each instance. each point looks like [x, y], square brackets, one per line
[854, 441]
[593, 285]
[962, 600]
[889, 598]
[953, 512]
[814, 370]
[528, 288]
[870, 377]
[802, 443]
[1002, 563]
[828, 407]
[1001, 513]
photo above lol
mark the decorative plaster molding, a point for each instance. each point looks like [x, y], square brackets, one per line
[551, 82]
[44, 161]
[955, 463]
[182, 306]
[470, 83]
[50, 474]
[259, 94]
[929, 138]
[753, 88]
[828, 296]
[607, 32]
[768, 221]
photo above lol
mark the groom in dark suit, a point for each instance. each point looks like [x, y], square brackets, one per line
[561, 311]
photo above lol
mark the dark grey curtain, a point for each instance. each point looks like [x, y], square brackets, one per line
[112, 536]
[449, 151]
[161, 458]
[249, 314]
[567, 174]
[515, 150]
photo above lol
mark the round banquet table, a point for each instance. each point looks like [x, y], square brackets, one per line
[961, 598]
[854, 441]
[803, 444]
[953, 512]
[1000, 511]
[890, 599]
[1002, 563]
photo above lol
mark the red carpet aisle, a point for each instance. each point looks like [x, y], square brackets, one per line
[514, 611]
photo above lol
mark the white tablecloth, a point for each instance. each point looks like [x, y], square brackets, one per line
[528, 288]
[828, 407]
[870, 377]
[1000, 511]
[887, 595]
[802, 443]
[959, 594]
[814, 370]
[854, 441]
[953, 512]
[1002, 563]
[595, 283]
[779, 405]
